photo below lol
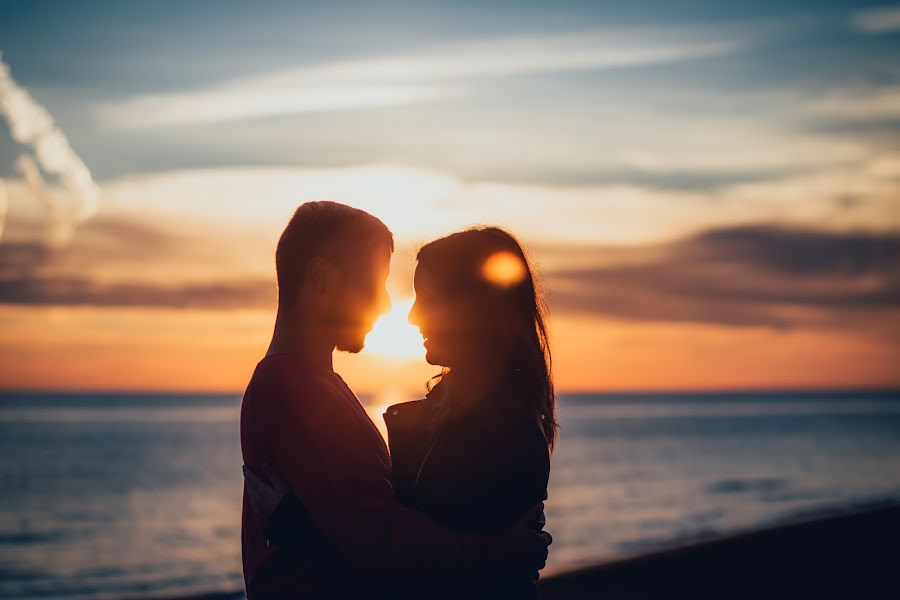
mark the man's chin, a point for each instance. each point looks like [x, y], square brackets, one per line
[353, 346]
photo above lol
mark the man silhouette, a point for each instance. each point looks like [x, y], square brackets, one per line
[299, 416]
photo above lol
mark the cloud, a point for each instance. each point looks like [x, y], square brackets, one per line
[749, 275]
[122, 262]
[420, 204]
[857, 109]
[32, 126]
[740, 276]
[885, 19]
[192, 228]
[4, 206]
[667, 137]
[417, 204]
[687, 179]
[109, 239]
[415, 77]
[84, 291]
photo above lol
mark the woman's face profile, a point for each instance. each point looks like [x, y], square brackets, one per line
[439, 321]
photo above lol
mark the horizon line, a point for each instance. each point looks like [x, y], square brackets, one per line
[569, 392]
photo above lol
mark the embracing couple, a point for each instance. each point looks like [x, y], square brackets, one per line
[455, 508]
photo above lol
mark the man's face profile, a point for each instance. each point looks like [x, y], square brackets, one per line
[362, 299]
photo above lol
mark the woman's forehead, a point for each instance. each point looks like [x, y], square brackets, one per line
[424, 277]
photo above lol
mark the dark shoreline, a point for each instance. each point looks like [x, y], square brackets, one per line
[852, 554]
[847, 554]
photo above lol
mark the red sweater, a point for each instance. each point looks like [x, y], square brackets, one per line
[311, 428]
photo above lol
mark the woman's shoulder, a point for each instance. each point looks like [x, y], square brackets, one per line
[406, 415]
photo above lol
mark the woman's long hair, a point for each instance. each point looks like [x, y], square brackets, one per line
[487, 269]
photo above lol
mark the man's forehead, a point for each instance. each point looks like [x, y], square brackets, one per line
[374, 259]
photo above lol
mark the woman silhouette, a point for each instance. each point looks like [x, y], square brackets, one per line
[474, 454]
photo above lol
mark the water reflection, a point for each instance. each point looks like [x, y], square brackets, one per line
[141, 495]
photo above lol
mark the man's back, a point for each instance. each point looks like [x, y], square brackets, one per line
[282, 391]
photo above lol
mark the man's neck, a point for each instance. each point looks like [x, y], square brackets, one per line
[295, 335]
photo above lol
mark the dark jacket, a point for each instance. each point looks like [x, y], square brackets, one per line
[479, 471]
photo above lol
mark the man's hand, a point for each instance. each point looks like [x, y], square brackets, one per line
[528, 545]
[266, 490]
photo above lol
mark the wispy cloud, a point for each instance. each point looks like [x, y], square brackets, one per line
[85, 291]
[415, 77]
[877, 20]
[747, 275]
[420, 204]
[48, 150]
[866, 104]
[97, 269]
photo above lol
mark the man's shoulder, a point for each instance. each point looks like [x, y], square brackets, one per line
[280, 377]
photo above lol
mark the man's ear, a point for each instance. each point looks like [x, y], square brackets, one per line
[319, 274]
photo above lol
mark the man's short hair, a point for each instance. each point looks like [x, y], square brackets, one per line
[328, 230]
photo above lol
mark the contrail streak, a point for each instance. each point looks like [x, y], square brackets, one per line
[32, 126]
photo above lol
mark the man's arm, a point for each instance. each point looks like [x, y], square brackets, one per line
[333, 464]
[288, 524]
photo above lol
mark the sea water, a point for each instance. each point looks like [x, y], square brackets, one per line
[139, 495]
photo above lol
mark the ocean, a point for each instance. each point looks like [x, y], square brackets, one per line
[139, 495]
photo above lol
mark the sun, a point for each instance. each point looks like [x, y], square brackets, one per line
[393, 336]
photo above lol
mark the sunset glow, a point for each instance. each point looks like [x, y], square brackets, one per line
[708, 202]
[672, 229]
[393, 336]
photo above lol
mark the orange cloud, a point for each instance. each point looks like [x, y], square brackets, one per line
[745, 275]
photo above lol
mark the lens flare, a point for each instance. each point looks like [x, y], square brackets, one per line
[503, 269]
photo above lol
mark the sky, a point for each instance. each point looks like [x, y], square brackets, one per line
[710, 191]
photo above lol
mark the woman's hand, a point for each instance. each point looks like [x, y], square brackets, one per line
[266, 490]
